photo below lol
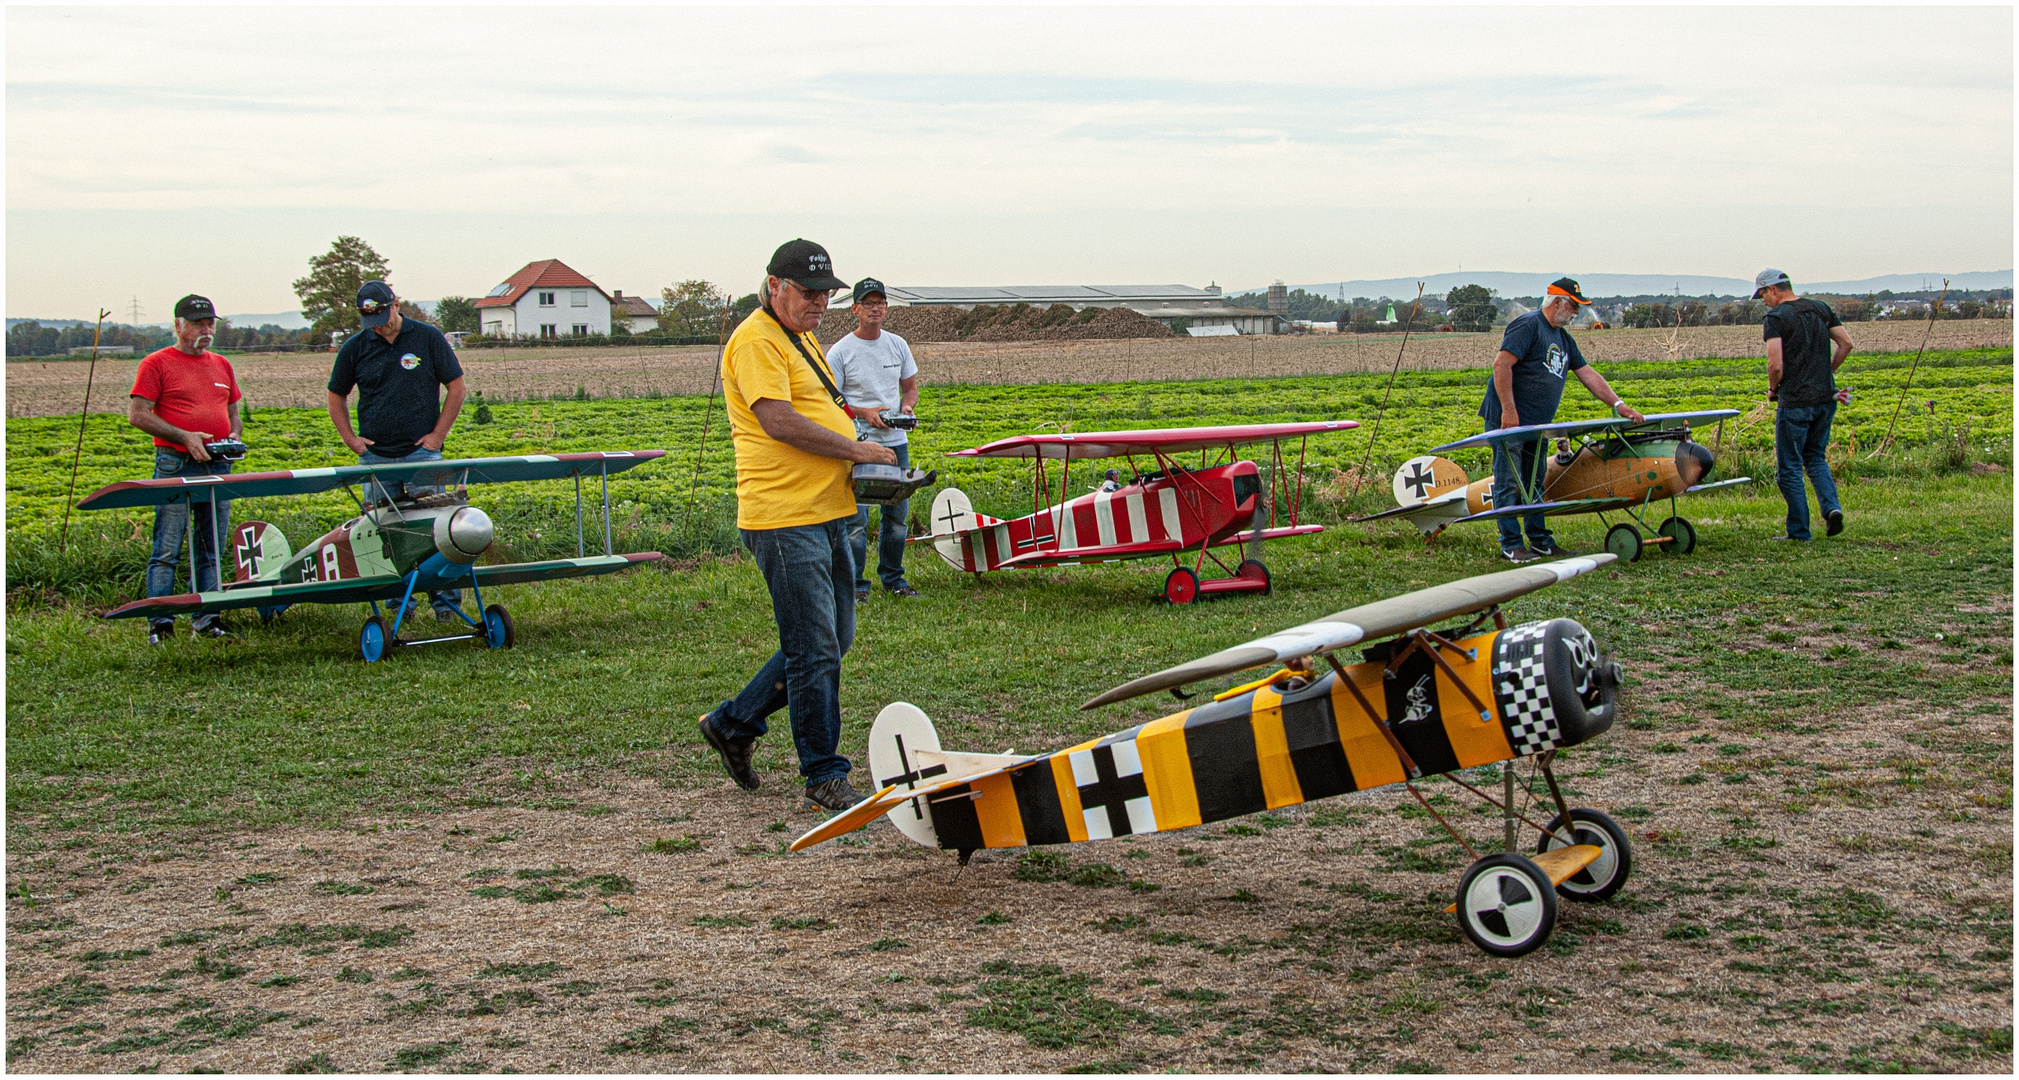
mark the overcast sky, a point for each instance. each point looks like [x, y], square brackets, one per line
[154, 152]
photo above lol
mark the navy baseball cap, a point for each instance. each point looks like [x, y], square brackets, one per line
[869, 287]
[375, 304]
[805, 264]
[195, 308]
[1769, 277]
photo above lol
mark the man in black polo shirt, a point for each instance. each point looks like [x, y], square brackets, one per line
[399, 367]
[1802, 335]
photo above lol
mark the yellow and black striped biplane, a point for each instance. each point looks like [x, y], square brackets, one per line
[1422, 702]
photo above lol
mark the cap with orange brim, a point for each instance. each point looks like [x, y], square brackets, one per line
[1566, 287]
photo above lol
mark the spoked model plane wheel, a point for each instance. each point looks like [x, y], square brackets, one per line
[1608, 872]
[372, 640]
[1506, 905]
[1253, 570]
[1623, 540]
[1182, 587]
[497, 627]
[1682, 534]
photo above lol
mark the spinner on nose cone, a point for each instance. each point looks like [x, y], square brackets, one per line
[1693, 462]
[463, 535]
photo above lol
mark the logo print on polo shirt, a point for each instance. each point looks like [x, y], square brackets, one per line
[410, 361]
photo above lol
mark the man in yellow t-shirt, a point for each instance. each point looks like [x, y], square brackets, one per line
[795, 445]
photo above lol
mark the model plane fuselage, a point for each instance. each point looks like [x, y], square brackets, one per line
[1174, 511]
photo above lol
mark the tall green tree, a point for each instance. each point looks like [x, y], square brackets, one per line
[1471, 308]
[456, 313]
[690, 307]
[329, 293]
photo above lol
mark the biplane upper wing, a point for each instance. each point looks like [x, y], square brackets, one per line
[1106, 444]
[1354, 625]
[495, 470]
[1531, 432]
[361, 590]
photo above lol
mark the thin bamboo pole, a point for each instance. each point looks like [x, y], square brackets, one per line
[63, 542]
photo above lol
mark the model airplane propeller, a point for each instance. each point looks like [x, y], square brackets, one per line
[395, 547]
[1600, 467]
[1423, 702]
[1169, 510]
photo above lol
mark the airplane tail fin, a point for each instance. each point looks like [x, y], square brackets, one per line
[258, 548]
[952, 513]
[904, 752]
[1422, 479]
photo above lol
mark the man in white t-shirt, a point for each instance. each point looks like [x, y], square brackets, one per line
[877, 374]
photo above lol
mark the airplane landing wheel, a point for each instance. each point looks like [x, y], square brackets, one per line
[497, 627]
[1604, 877]
[1623, 540]
[1506, 905]
[1182, 587]
[372, 640]
[1683, 533]
[1253, 570]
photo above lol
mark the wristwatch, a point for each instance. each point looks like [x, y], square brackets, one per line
[1616, 405]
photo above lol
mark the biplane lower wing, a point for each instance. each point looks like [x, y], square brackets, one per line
[1115, 553]
[1734, 482]
[1547, 509]
[1450, 507]
[1251, 535]
[365, 590]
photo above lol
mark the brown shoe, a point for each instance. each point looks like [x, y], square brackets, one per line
[836, 794]
[735, 758]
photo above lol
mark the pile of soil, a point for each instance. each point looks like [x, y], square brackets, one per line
[1006, 322]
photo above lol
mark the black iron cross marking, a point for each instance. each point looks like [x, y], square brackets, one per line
[952, 516]
[1112, 791]
[1420, 480]
[911, 774]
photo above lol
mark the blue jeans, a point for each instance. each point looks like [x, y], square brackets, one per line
[1514, 466]
[171, 521]
[1801, 435]
[890, 535]
[447, 600]
[811, 575]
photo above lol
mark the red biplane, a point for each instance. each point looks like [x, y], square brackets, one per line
[1170, 510]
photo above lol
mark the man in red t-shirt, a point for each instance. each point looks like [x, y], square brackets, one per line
[184, 396]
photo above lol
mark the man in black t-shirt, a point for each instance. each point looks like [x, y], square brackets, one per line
[399, 367]
[1806, 344]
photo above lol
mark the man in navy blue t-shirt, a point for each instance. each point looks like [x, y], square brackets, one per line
[399, 367]
[1528, 374]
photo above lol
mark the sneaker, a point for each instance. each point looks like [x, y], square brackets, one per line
[1551, 550]
[159, 635]
[905, 591]
[861, 598]
[211, 630]
[1785, 536]
[1518, 555]
[835, 794]
[1834, 523]
[447, 615]
[736, 759]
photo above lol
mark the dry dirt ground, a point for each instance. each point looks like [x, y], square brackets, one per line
[1837, 899]
[56, 387]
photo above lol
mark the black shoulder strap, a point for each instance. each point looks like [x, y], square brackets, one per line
[825, 380]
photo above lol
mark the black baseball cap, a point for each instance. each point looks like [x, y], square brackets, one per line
[1564, 286]
[805, 264]
[868, 287]
[375, 304]
[194, 308]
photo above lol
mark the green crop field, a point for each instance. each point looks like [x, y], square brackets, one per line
[264, 855]
[1959, 412]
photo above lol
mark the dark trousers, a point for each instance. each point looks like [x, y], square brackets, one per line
[1801, 435]
[1514, 465]
[811, 576]
[173, 520]
[890, 536]
[447, 600]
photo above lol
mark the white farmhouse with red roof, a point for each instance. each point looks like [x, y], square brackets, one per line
[545, 299]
